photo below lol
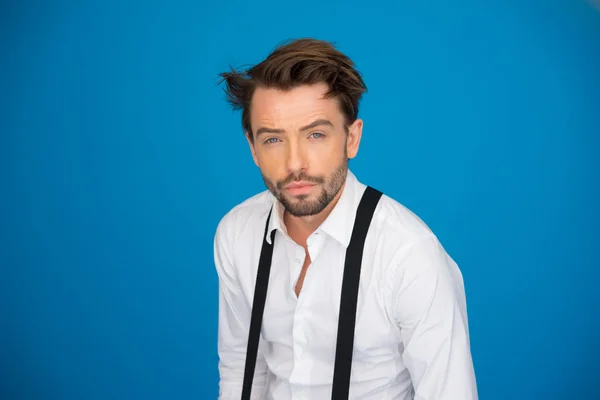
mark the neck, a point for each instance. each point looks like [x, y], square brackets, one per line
[300, 228]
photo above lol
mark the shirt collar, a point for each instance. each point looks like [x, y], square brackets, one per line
[276, 221]
[339, 223]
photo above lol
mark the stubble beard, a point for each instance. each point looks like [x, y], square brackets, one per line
[303, 205]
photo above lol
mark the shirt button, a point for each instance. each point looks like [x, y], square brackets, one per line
[297, 261]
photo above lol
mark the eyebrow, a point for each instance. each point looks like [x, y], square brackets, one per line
[314, 124]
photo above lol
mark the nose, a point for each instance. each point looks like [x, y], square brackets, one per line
[297, 159]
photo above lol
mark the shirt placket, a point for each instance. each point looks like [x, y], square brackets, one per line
[298, 329]
[302, 365]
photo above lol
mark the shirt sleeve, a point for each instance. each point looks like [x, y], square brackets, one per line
[233, 325]
[429, 305]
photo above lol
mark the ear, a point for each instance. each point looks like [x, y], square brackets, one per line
[354, 136]
[252, 149]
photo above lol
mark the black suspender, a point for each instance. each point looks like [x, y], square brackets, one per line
[258, 306]
[348, 302]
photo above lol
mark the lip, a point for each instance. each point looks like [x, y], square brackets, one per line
[298, 188]
[295, 185]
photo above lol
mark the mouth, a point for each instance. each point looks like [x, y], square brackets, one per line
[299, 188]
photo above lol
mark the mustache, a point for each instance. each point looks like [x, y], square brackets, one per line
[302, 176]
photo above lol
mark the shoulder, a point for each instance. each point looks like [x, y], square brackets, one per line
[244, 218]
[237, 242]
[410, 245]
[398, 224]
[402, 238]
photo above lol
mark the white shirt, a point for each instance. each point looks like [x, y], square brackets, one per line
[411, 337]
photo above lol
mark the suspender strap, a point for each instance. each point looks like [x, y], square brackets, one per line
[258, 306]
[349, 299]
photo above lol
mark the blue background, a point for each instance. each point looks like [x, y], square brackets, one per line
[119, 156]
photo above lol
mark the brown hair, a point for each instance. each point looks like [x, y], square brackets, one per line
[295, 63]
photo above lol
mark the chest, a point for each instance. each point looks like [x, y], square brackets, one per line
[303, 301]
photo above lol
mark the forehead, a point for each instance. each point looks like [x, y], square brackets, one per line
[272, 106]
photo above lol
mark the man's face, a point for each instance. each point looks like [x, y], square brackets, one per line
[301, 146]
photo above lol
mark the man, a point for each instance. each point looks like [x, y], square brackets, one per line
[300, 117]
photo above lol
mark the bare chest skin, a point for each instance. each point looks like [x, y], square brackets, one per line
[300, 282]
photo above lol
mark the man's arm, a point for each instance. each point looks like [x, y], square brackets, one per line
[428, 303]
[234, 323]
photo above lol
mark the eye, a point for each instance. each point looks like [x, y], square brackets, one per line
[317, 135]
[271, 141]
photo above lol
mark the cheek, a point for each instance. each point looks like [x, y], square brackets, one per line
[270, 163]
[329, 154]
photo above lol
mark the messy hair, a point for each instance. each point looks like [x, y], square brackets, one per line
[295, 63]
